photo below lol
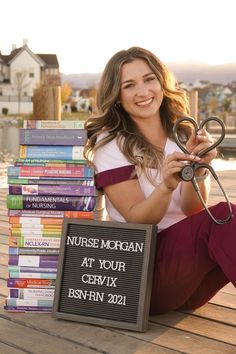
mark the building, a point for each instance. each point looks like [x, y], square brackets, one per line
[20, 73]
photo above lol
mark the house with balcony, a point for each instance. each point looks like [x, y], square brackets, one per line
[21, 72]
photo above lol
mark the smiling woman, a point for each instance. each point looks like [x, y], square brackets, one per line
[137, 165]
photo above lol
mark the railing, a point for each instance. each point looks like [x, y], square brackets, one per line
[8, 98]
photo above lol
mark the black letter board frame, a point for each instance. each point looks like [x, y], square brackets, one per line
[123, 299]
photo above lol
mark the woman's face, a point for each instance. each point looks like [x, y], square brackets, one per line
[141, 94]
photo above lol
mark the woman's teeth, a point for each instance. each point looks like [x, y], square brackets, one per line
[144, 103]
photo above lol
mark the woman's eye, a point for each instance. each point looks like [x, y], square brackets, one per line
[128, 86]
[151, 78]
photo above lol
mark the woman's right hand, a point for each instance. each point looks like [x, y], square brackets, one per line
[171, 167]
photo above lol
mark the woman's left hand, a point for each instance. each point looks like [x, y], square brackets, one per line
[199, 142]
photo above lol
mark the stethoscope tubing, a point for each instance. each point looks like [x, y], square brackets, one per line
[194, 166]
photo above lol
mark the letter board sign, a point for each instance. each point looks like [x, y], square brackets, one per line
[105, 273]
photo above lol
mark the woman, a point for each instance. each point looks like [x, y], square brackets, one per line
[137, 164]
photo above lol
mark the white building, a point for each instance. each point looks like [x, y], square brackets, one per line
[20, 73]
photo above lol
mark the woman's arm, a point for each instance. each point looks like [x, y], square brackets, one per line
[128, 198]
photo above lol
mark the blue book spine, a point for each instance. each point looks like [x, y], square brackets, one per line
[56, 152]
[76, 137]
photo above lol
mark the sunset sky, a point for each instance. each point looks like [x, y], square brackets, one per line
[85, 34]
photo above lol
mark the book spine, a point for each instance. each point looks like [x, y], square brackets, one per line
[34, 232]
[28, 302]
[33, 251]
[68, 190]
[22, 309]
[37, 227]
[34, 242]
[34, 221]
[68, 137]
[53, 124]
[38, 294]
[43, 180]
[33, 261]
[19, 269]
[51, 202]
[32, 275]
[51, 152]
[60, 214]
[42, 171]
[30, 283]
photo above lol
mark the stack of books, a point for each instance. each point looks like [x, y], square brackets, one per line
[48, 182]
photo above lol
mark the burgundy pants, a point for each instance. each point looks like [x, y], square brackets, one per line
[195, 258]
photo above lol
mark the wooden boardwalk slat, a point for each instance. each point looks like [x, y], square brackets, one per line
[210, 329]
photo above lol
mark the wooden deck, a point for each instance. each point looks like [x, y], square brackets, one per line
[210, 329]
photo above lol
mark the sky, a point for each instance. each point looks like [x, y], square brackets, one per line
[84, 34]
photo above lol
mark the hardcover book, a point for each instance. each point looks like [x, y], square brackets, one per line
[36, 220]
[51, 152]
[64, 137]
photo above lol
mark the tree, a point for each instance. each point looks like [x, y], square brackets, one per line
[66, 92]
[19, 78]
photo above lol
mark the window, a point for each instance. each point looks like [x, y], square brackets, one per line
[31, 74]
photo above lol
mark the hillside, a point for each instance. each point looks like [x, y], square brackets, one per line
[185, 72]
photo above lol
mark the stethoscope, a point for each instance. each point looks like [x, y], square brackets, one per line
[188, 172]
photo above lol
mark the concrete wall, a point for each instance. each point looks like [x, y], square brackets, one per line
[9, 140]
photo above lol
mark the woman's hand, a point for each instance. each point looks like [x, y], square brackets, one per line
[172, 165]
[199, 142]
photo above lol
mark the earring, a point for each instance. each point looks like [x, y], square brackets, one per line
[117, 104]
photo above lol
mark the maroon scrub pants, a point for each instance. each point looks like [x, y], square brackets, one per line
[195, 258]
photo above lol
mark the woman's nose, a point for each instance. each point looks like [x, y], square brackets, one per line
[142, 90]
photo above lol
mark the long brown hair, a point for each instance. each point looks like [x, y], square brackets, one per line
[112, 119]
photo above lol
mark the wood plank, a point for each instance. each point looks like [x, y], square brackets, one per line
[105, 340]
[6, 349]
[215, 313]
[183, 341]
[224, 299]
[199, 326]
[29, 339]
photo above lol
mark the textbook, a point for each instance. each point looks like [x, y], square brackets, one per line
[53, 124]
[20, 269]
[32, 275]
[33, 261]
[22, 309]
[44, 171]
[61, 189]
[47, 162]
[36, 226]
[51, 152]
[33, 250]
[64, 137]
[45, 180]
[60, 214]
[36, 220]
[40, 294]
[28, 302]
[51, 202]
[34, 232]
[34, 242]
[30, 283]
